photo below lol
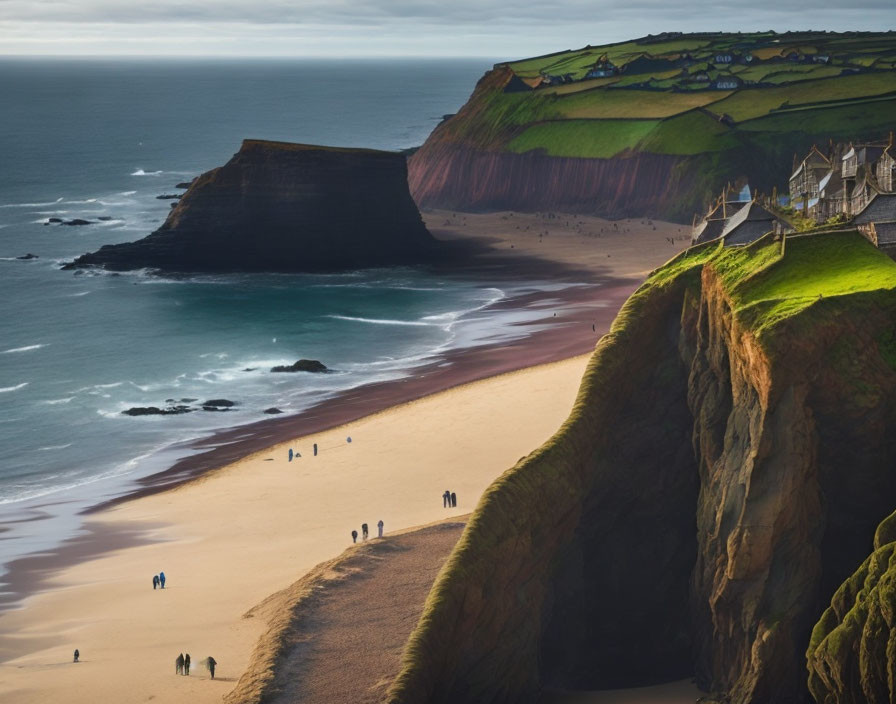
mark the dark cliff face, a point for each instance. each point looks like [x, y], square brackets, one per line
[285, 207]
[722, 471]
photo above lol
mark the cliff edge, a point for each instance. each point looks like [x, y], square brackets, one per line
[721, 473]
[277, 206]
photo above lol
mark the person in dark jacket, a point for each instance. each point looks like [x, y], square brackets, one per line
[187, 664]
[77, 655]
[211, 663]
[179, 665]
[364, 531]
[162, 579]
[446, 499]
[354, 536]
[155, 581]
[453, 500]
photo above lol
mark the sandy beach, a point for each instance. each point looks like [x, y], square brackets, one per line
[230, 538]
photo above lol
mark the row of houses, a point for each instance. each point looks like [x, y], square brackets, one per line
[852, 183]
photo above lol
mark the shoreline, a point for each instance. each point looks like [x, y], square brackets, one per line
[172, 521]
[232, 538]
[495, 248]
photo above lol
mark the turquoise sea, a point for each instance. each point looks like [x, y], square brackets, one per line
[95, 139]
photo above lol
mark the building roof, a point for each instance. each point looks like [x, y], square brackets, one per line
[880, 209]
[814, 160]
[708, 230]
[748, 224]
[832, 180]
[869, 153]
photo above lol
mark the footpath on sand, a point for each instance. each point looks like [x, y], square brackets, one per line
[336, 635]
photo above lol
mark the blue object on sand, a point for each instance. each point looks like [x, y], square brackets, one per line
[290, 454]
[349, 438]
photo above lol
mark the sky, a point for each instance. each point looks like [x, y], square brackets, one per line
[359, 28]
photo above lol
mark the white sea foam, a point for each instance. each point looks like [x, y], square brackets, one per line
[27, 348]
[58, 401]
[30, 205]
[78, 294]
[141, 172]
[381, 321]
[13, 388]
[50, 448]
[127, 193]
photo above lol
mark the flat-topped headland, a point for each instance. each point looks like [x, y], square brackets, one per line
[277, 206]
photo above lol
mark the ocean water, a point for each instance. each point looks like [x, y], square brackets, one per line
[102, 139]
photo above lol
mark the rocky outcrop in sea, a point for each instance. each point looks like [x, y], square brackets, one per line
[285, 207]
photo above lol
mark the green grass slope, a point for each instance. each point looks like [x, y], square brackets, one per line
[731, 105]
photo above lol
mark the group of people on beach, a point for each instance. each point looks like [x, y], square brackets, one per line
[293, 454]
[158, 580]
[449, 499]
[365, 531]
[182, 665]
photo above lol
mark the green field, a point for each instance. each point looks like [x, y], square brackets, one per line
[596, 139]
[680, 95]
[751, 103]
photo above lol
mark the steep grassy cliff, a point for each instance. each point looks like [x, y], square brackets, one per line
[667, 123]
[724, 467]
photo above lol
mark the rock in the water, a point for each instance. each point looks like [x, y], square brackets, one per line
[169, 196]
[272, 411]
[303, 365]
[54, 220]
[28, 256]
[154, 411]
[77, 222]
[219, 403]
[185, 184]
[105, 218]
[286, 207]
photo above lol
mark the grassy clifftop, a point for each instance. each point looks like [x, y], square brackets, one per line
[678, 522]
[667, 96]
[720, 106]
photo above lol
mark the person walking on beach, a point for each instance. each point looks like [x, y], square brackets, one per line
[446, 499]
[364, 531]
[187, 664]
[155, 581]
[315, 449]
[453, 500]
[380, 528]
[162, 579]
[290, 454]
[179, 665]
[77, 655]
[354, 536]
[211, 663]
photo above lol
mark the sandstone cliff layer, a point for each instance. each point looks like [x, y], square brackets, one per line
[285, 207]
[724, 467]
